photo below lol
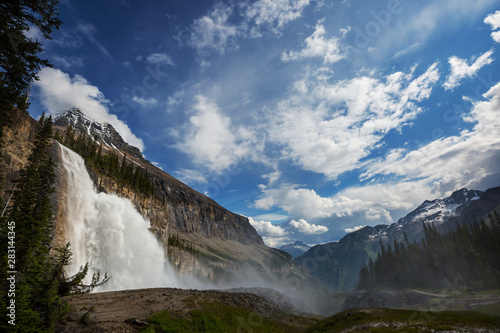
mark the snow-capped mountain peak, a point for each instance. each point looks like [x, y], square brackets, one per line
[96, 130]
[441, 210]
[295, 249]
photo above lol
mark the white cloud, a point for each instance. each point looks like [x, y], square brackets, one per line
[60, 92]
[276, 242]
[151, 101]
[461, 69]
[273, 14]
[318, 46]
[329, 128]
[353, 229]
[214, 32]
[450, 163]
[493, 20]
[191, 176]
[302, 202]
[213, 141]
[160, 58]
[267, 229]
[67, 62]
[434, 18]
[272, 217]
[307, 228]
[374, 200]
[407, 50]
[496, 36]
[34, 34]
[378, 214]
[156, 164]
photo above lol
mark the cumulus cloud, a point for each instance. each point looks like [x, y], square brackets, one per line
[496, 36]
[376, 201]
[494, 21]
[307, 228]
[272, 235]
[318, 46]
[160, 59]
[59, 92]
[306, 202]
[378, 214]
[276, 242]
[329, 128]
[353, 229]
[460, 69]
[214, 32]
[450, 163]
[267, 229]
[212, 140]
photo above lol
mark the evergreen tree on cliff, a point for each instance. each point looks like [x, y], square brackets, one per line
[36, 292]
[19, 60]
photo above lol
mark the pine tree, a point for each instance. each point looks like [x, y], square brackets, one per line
[32, 214]
[19, 61]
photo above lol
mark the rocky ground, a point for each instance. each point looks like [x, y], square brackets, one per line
[266, 310]
[128, 310]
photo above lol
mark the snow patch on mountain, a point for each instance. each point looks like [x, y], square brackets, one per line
[104, 132]
[441, 210]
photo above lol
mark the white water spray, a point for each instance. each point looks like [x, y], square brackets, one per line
[109, 233]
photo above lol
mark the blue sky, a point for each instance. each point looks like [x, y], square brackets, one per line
[312, 118]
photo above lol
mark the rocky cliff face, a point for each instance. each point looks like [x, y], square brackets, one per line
[18, 142]
[213, 243]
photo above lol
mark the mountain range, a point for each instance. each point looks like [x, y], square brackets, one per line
[295, 249]
[336, 265]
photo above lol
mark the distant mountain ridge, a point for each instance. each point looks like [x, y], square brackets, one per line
[336, 265]
[295, 249]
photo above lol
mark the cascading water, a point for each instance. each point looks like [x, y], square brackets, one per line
[109, 233]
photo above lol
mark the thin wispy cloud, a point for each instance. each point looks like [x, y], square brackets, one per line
[89, 31]
[273, 14]
[214, 32]
[160, 59]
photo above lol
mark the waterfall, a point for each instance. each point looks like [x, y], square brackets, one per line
[109, 233]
